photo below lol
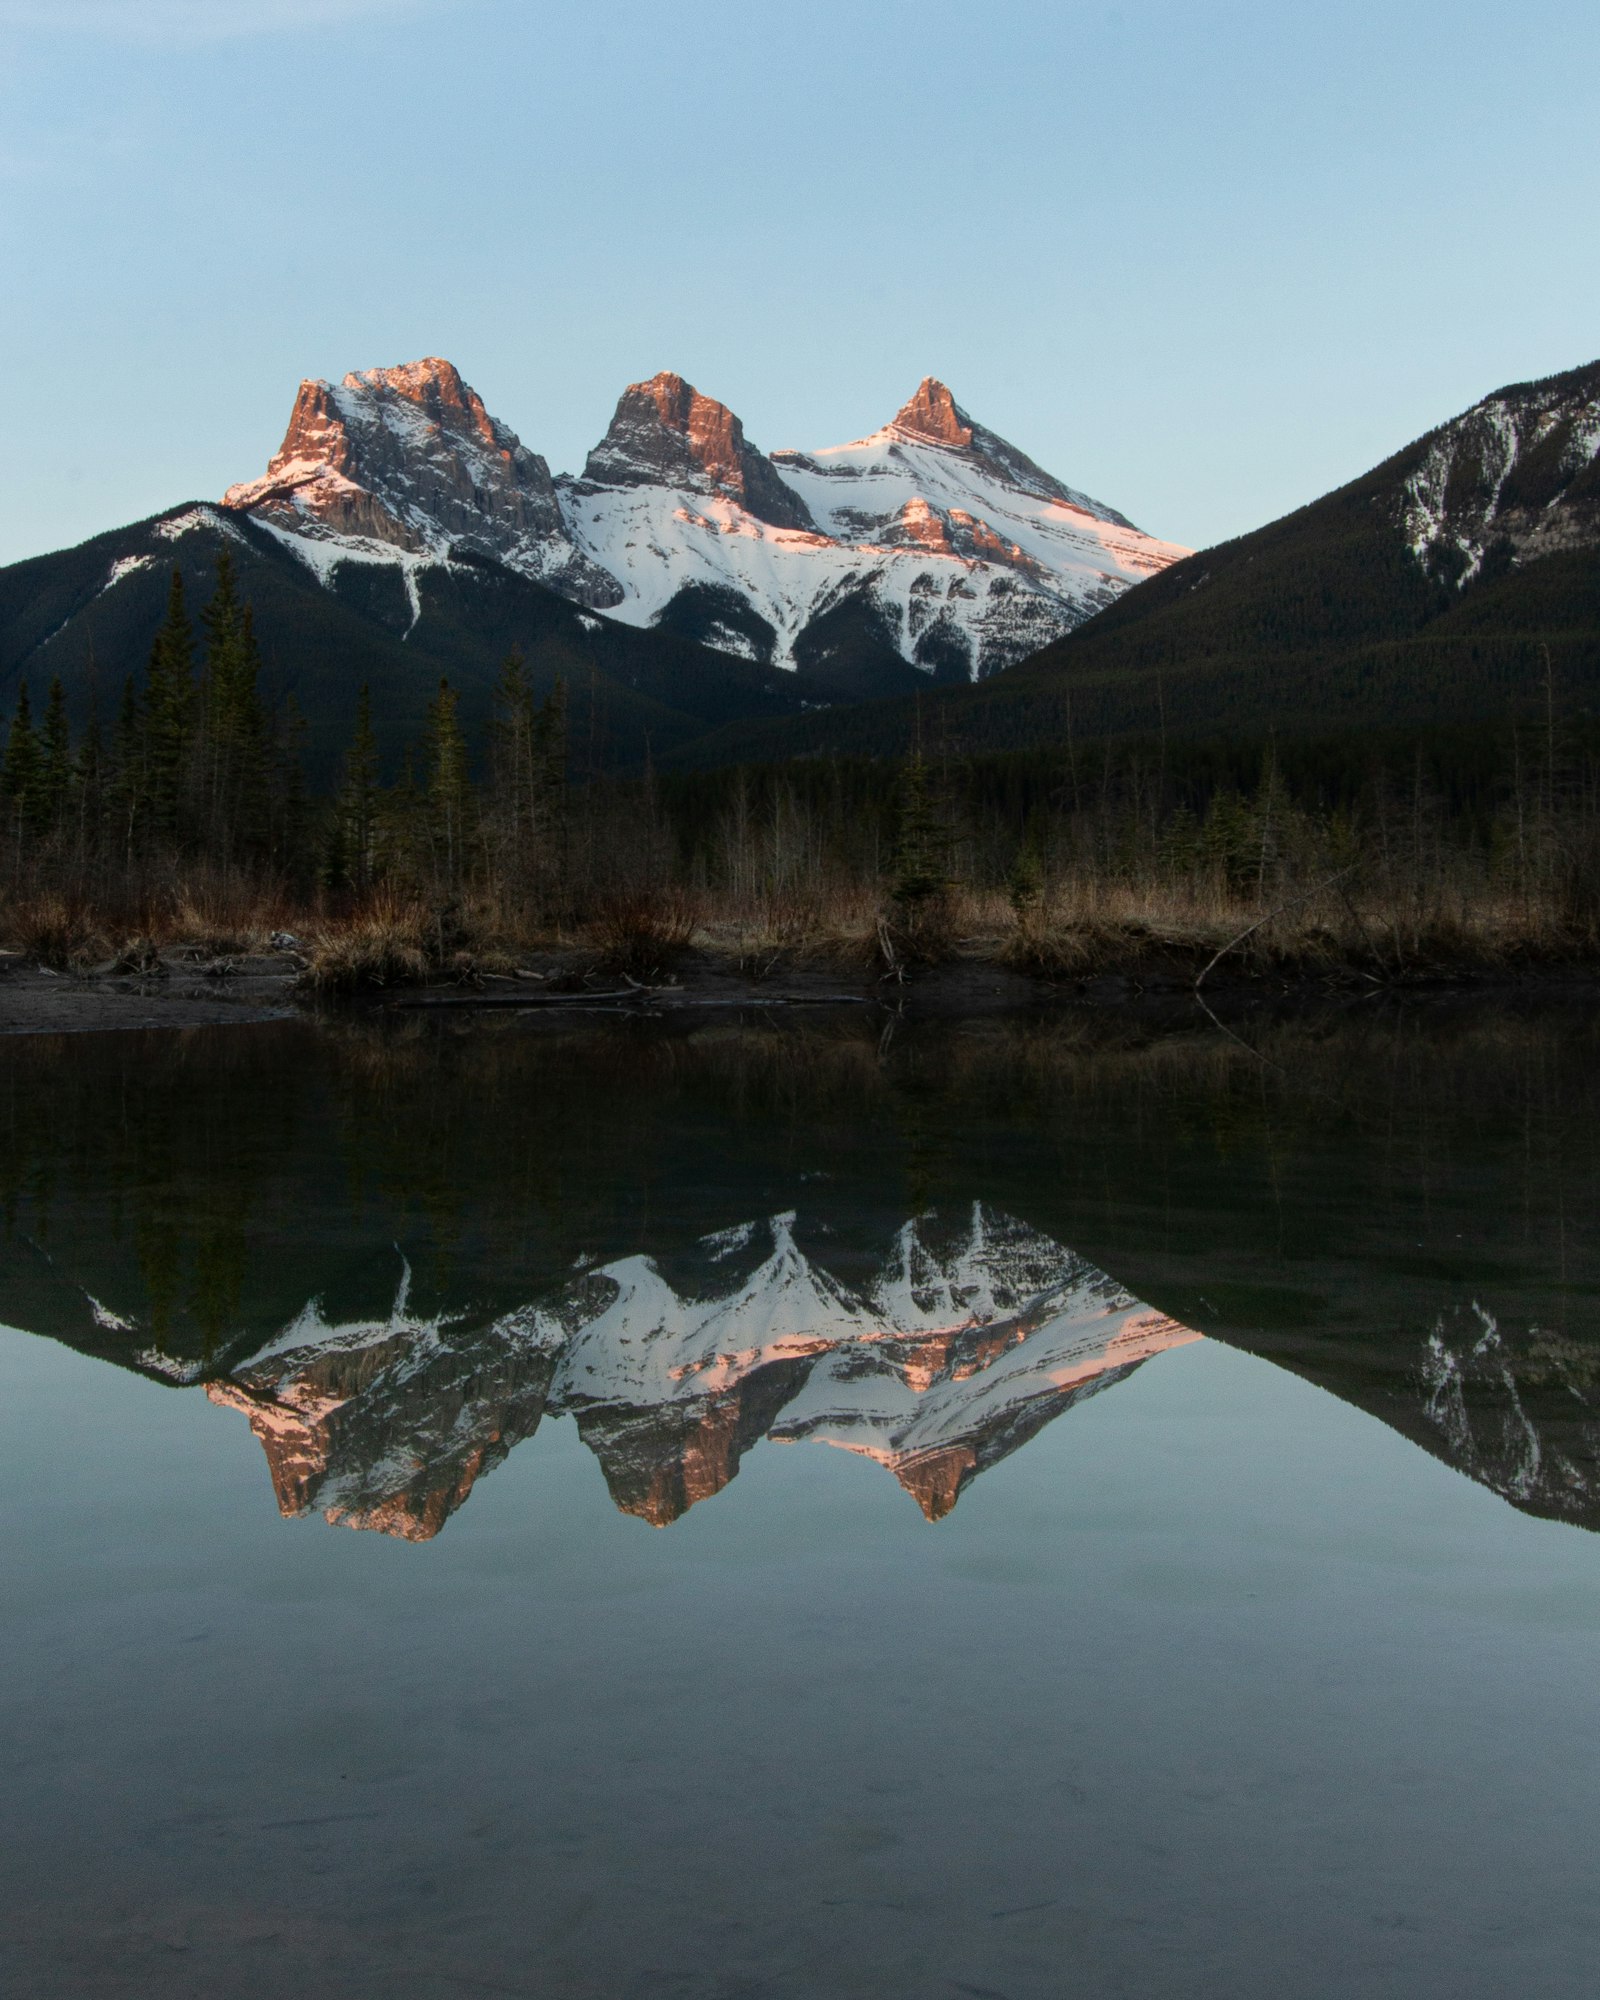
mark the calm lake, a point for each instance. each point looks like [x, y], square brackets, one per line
[737, 1507]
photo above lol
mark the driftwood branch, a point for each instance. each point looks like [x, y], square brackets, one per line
[1250, 930]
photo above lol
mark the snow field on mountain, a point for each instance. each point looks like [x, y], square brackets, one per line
[946, 529]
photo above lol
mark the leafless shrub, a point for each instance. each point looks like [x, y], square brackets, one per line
[55, 930]
[639, 934]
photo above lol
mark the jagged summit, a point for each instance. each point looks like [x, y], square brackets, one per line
[934, 415]
[665, 433]
[973, 1332]
[408, 458]
[933, 540]
[934, 544]
[436, 387]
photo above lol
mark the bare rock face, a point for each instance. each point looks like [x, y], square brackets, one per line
[933, 539]
[1514, 478]
[665, 433]
[934, 415]
[409, 456]
[389, 1427]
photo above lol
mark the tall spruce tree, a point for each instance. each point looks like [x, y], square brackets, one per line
[550, 774]
[291, 840]
[922, 838]
[88, 785]
[230, 765]
[55, 762]
[353, 858]
[168, 730]
[22, 773]
[513, 774]
[449, 789]
[126, 782]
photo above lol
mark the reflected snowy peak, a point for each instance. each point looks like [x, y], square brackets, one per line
[969, 1335]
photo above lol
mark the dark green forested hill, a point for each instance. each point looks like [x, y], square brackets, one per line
[88, 615]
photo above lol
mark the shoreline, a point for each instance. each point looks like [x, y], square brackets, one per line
[37, 1000]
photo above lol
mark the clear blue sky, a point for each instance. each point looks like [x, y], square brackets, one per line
[1205, 261]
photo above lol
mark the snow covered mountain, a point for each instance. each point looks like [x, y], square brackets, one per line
[1518, 473]
[397, 463]
[971, 1336]
[932, 542]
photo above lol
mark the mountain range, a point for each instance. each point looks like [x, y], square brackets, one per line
[684, 579]
[971, 1334]
[933, 539]
[1455, 583]
[708, 602]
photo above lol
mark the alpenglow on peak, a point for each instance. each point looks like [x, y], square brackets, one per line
[934, 544]
[933, 413]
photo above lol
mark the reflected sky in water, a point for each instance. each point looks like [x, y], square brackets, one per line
[1252, 1663]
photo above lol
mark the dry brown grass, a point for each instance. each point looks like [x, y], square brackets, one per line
[385, 944]
[764, 935]
[1159, 927]
[217, 923]
[202, 915]
[56, 930]
[641, 934]
[1088, 928]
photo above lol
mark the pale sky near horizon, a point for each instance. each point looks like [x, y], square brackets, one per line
[1205, 262]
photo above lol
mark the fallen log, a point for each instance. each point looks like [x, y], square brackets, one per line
[652, 1000]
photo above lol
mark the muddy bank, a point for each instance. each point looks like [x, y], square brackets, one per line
[36, 1000]
[178, 992]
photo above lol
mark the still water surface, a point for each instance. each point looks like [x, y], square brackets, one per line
[1016, 1509]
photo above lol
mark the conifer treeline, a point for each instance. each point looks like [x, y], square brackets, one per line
[436, 829]
[196, 770]
[193, 763]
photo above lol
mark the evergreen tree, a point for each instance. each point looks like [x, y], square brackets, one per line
[449, 791]
[550, 773]
[126, 786]
[88, 785]
[230, 759]
[353, 850]
[922, 839]
[295, 851]
[56, 769]
[404, 843]
[21, 772]
[335, 854]
[1025, 883]
[526, 817]
[169, 717]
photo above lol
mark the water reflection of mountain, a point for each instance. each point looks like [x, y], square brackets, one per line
[963, 1343]
[1517, 1410]
[1341, 1202]
[951, 1349]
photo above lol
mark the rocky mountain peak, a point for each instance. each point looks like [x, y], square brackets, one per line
[436, 387]
[934, 415]
[665, 433]
[933, 542]
[409, 456]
